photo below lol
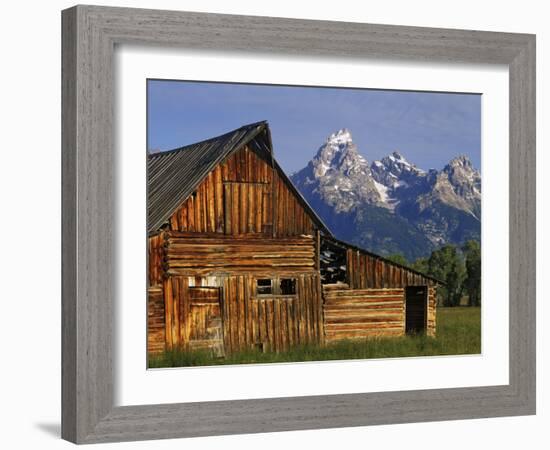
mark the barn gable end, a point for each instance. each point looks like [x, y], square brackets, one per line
[244, 195]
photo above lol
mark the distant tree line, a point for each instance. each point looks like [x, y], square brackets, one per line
[458, 267]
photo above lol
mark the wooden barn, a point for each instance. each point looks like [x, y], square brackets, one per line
[238, 259]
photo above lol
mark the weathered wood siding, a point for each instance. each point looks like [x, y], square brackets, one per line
[267, 322]
[156, 259]
[431, 326]
[243, 195]
[155, 320]
[193, 254]
[155, 298]
[271, 323]
[369, 271]
[363, 313]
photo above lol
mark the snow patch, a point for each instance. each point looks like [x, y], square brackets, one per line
[400, 183]
[382, 190]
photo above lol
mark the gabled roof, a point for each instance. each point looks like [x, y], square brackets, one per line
[172, 176]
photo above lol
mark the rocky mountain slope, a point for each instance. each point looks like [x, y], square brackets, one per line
[391, 206]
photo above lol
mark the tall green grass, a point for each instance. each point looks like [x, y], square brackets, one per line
[458, 333]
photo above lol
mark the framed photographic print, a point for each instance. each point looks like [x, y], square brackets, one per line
[245, 200]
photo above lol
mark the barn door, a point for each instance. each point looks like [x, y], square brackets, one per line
[416, 299]
[205, 331]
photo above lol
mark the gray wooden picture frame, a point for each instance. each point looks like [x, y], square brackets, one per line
[90, 34]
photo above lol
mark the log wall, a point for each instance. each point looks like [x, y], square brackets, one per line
[192, 254]
[363, 313]
[243, 195]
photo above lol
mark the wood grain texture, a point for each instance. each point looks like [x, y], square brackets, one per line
[89, 265]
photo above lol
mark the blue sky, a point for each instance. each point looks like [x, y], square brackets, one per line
[429, 129]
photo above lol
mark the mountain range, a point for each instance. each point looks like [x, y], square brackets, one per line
[391, 206]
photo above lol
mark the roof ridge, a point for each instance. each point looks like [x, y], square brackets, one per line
[205, 141]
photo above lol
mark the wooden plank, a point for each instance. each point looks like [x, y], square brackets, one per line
[251, 212]
[211, 203]
[262, 323]
[284, 324]
[352, 280]
[270, 324]
[274, 202]
[235, 205]
[364, 326]
[254, 321]
[228, 334]
[228, 206]
[313, 308]
[258, 208]
[290, 323]
[190, 214]
[307, 309]
[359, 308]
[277, 326]
[243, 208]
[183, 217]
[249, 336]
[168, 310]
[258, 249]
[175, 236]
[241, 324]
[364, 318]
[174, 222]
[332, 336]
[320, 309]
[219, 196]
[334, 292]
[234, 313]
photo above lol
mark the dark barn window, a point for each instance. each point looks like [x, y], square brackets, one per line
[264, 286]
[288, 286]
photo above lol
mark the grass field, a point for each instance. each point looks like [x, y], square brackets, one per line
[458, 333]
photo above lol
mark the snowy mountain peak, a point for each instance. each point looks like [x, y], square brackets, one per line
[397, 156]
[339, 174]
[339, 154]
[394, 171]
[391, 205]
[466, 181]
[341, 137]
[461, 170]
[462, 161]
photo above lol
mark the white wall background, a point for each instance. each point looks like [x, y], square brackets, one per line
[30, 182]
